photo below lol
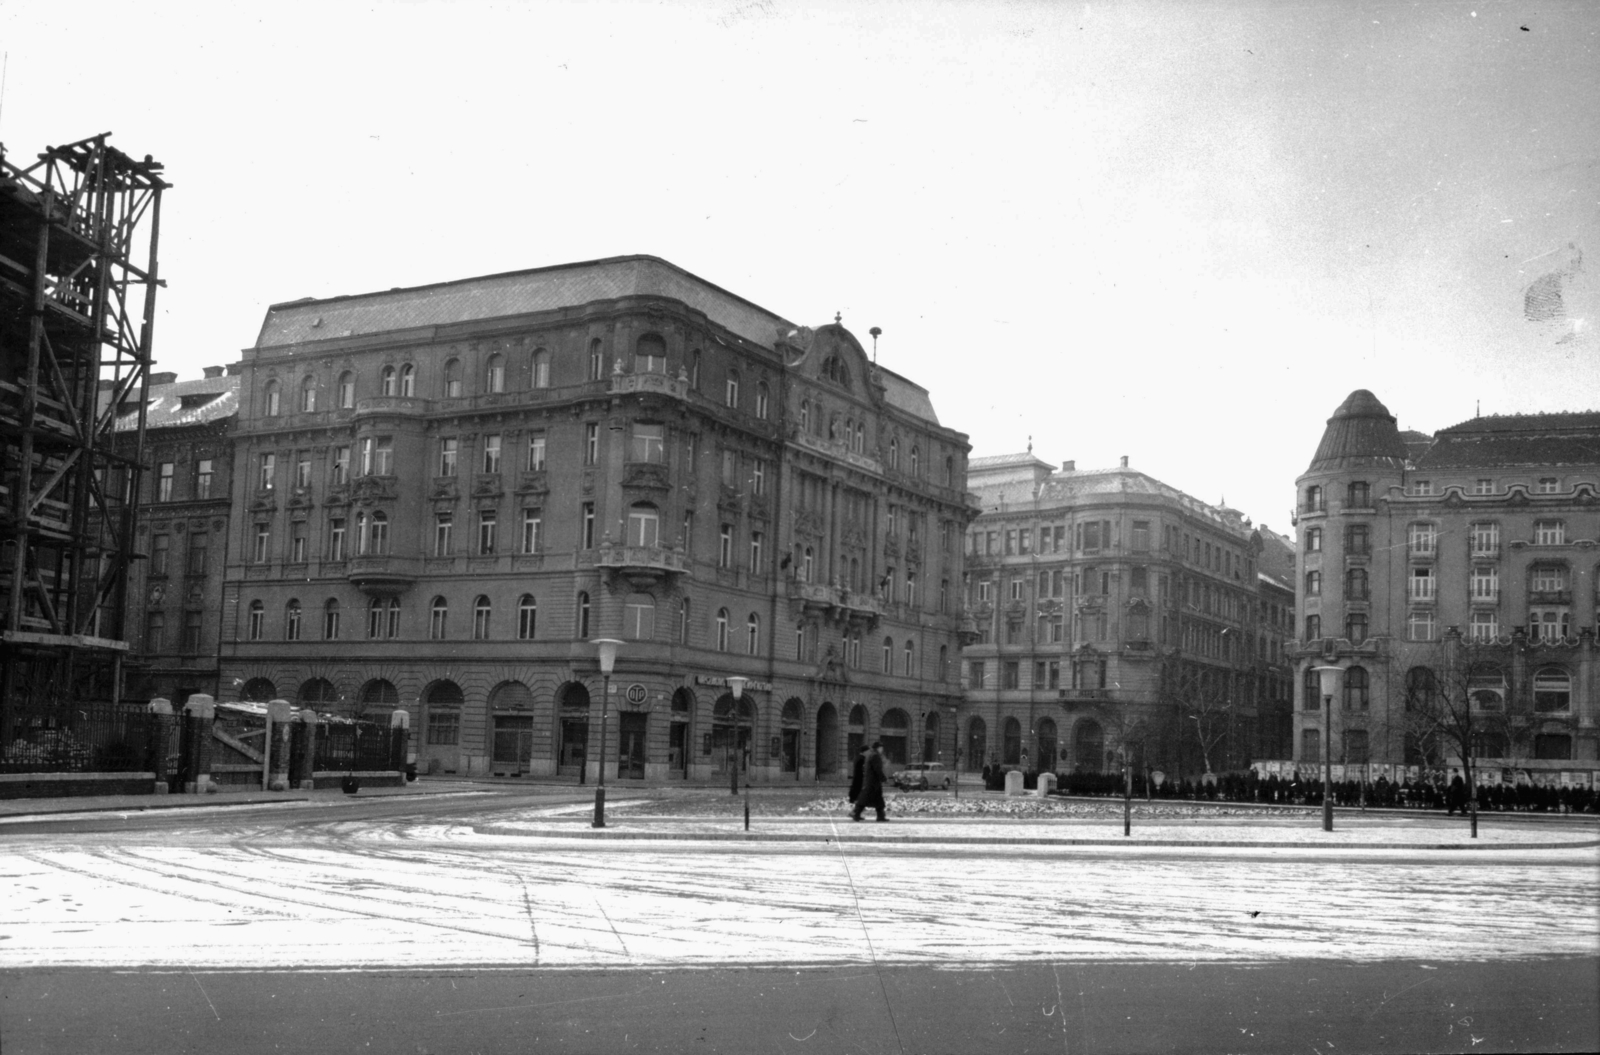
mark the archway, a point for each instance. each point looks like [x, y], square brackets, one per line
[511, 744]
[441, 727]
[856, 732]
[977, 745]
[789, 736]
[1011, 742]
[827, 742]
[680, 735]
[572, 728]
[258, 690]
[1089, 747]
[892, 732]
[730, 733]
[318, 694]
[1045, 736]
[930, 737]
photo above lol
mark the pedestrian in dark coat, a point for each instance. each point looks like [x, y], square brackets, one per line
[858, 771]
[872, 785]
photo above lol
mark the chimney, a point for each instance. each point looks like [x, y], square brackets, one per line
[1124, 461]
[166, 377]
[1069, 467]
[213, 371]
[235, 368]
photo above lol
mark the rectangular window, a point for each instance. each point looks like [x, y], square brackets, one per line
[302, 472]
[1357, 541]
[341, 466]
[263, 543]
[193, 627]
[268, 471]
[160, 546]
[1549, 622]
[198, 541]
[1420, 487]
[1016, 589]
[1548, 485]
[975, 674]
[443, 527]
[444, 727]
[486, 532]
[758, 476]
[1485, 583]
[1422, 583]
[725, 547]
[648, 443]
[536, 451]
[531, 521]
[587, 536]
[491, 453]
[1012, 674]
[1485, 626]
[1141, 536]
[336, 538]
[591, 443]
[449, 451]
[1024, 540]
[1485, 539]
[1423, 539]
[688, 534]
[1483, 486]
[164, 482]
[755, 553]
[1549, 578]
[1549, 533]
[1421, 626]
[298, 553]
[203, 475]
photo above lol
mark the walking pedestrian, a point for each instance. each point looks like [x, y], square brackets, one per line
[872, 785]
[858, 771]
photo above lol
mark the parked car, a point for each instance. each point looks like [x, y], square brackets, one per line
[921, 776]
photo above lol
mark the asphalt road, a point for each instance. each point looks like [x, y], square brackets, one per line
[1542, 1005]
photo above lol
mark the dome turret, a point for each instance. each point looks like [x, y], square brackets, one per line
[1361, 435]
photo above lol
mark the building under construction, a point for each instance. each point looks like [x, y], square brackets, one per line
[78, 237]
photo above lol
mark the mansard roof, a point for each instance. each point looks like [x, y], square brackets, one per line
[1569, 438]
[1361, 435]
[178, 403]
[515, 293]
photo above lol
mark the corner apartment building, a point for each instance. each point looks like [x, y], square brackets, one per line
[175, 591]
[445, 493]
[1106, 609]
[1484, 533]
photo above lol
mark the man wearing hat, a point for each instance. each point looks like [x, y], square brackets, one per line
[871, 785]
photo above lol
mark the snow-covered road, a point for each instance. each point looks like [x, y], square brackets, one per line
[398, 895]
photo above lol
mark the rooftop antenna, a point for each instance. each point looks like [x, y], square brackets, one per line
[1030, 444]
[1477, 409]
[875, 331]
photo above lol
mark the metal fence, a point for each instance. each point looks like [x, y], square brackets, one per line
[87, 737]
[359, 746]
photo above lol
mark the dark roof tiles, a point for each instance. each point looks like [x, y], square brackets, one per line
[1361, 435]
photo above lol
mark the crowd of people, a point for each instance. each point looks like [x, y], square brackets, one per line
[1306, 790]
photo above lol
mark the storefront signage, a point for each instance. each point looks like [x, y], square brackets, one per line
[720, 682]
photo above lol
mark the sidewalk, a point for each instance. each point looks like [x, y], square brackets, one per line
[11, 809]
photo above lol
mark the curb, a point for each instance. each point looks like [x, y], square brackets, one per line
[956, 840]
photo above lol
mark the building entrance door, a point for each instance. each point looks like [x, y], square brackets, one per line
[631, 751]
[678, 750]
[791, 751]
[513, 744]
[574, 746]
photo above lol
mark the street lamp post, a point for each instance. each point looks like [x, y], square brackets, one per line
[608, 662]
[1328, 682]
[736, 685]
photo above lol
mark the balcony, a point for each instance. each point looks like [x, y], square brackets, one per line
[838, 604]
[1083, 695]
[649, 384]
[381, 576]
[1549, 596]
[835, 449]
[641, 566]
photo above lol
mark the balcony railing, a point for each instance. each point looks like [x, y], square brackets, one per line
[381, 576]
[641, 565]
[838, 601]
[660, 384]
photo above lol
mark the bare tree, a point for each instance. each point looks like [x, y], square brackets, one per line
[1203, 704]
[1456, 705]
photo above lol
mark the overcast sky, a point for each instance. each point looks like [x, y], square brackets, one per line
[1181, 232]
